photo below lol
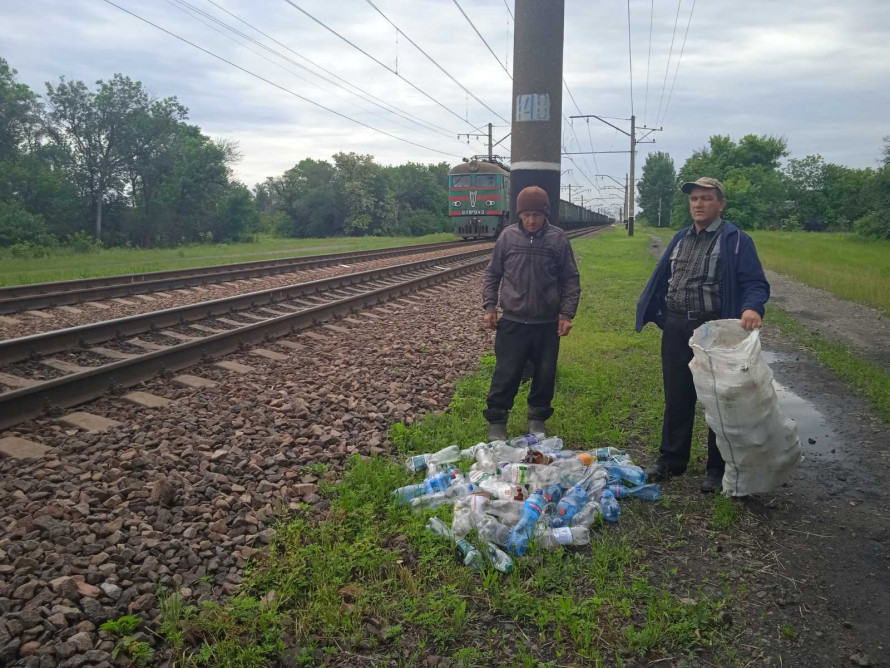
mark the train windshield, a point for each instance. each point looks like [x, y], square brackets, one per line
[461, 181]
[486, 180]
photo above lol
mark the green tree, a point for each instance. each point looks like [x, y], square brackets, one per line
[370, 207]
[656, 189]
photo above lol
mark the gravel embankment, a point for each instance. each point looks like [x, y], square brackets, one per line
[182, 496]
[30, 323]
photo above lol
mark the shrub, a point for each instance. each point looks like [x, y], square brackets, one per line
[84, 242]
[874, 225]
[20, 226]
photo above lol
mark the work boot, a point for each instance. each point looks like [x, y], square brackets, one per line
[497, 431]
[536, 427]
[712, 482]
[659, 470]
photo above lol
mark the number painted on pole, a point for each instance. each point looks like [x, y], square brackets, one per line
[533, 107]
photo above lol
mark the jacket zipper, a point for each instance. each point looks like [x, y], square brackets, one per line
[528, 286]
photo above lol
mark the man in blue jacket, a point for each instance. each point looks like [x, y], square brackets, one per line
[710, 270]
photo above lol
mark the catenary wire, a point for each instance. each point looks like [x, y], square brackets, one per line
[434, 62]
[373, 99]
[679, 60]
[278, 86]
[381, 63]
[182, 5]
[668, 67]
[457, 4]
[507, 5]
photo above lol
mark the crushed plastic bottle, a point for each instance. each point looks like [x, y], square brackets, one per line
[507, 510]
[491, 530]
[550, 538]
[650, 492]
[464, 551]
[629, 473]
[526, 441]
[457, 491]
[609, 507]
[434, 483]
[419, 463]
[587, 515]
[532, 510]
[502, 452]
[569, 505]
[470, 453]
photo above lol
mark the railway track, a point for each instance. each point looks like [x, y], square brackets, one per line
[20, 298]
[44, 373]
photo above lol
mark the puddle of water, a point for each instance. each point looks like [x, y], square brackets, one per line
[811, 424]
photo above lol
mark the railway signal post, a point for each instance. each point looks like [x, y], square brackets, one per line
[537, 99]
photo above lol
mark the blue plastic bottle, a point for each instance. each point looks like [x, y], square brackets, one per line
[532, 510]
[435, 483]
[609, 506]
[553, 493]
[650, 492]
[633, 475]
[569, 506]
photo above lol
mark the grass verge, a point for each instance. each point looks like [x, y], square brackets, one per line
[64, 263]
[366, 584]
[865, 377]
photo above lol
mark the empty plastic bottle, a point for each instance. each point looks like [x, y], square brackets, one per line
[485, 461]
[526, 441]
[631, 474]
[491, 530]
[651, 492]
[605, 454]
[419, 463]
[550, 538]
[470, 453]
[569, 505]
[498, 558]
[553, 493]
[502, 452]
[438, 527]
[434, 483]
[457, 491]
[609, 507]
[532, 510]
[586, 515]
[467, 554]
[507, 510]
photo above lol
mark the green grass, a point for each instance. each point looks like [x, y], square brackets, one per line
[64, 263]
[865, 377]
[370, 581]
[846, 265]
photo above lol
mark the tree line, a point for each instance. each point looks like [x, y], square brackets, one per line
[762, 193]
[115, 165]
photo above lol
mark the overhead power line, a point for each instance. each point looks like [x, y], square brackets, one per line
[457, 4]
[383, 104]
[197, 13]
[381, 63]
[278, 86]
[679, 60]
[668, 66]
[434, 62]
[507, 5]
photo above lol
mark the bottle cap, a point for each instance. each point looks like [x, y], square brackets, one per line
[585, 458]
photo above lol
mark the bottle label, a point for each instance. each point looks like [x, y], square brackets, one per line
[563, 535]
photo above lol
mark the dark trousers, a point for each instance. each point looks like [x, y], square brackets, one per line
[680, 398]
[514, 344]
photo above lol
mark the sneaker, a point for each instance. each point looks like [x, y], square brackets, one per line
[497, 431]
[712, 482]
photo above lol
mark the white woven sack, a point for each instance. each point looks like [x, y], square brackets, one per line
[735, 386]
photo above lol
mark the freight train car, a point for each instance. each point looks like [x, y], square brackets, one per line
[479, 202]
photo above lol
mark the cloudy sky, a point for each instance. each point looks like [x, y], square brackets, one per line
[816, 72]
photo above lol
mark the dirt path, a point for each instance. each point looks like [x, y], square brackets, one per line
[826, 602]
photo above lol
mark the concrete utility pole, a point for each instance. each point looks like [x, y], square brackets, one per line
[489, 142]
[537, 100]
[626, 203]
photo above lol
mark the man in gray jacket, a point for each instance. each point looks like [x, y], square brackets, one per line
[534, 267]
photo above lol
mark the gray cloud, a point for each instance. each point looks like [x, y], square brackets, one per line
[815, 72]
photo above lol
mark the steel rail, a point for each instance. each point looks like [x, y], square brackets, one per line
[70, 390]
[46, 343]
[15, 299]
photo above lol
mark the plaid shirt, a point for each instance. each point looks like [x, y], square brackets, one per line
[694, 288]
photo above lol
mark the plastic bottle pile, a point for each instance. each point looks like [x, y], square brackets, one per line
[522, 491]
